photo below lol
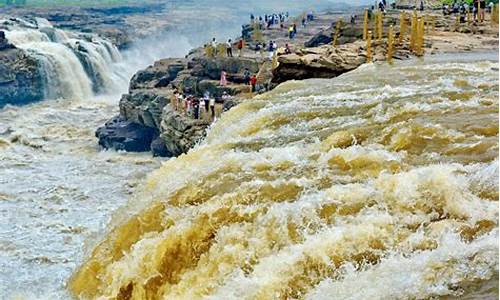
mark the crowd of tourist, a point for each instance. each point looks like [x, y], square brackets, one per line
[477, 8]
[207, 108]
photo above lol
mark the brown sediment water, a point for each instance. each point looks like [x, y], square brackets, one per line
[379, 184]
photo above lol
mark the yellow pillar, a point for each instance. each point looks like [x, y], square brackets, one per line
[390, 44]
[365, 25]
[420, 38]
[494, 16]
[369, 47]
[221, 50]
[380, 26]
[457, 23]
[413, 32]
[402, 27]
[337, 32]
[469, 18]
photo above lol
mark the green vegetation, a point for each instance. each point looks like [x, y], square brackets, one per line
[58, 3]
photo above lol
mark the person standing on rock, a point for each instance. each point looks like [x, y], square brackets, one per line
[482, 7]
[206, 101]
[196, 108]
[290, 32]
[174, 100]
[223, 80]
[240, 46]
[214, 46]
[246, 76]
[253, 82]
[212, 108]
[203, 109]
[229, 48]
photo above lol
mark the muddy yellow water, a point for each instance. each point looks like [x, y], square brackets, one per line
[379, 184]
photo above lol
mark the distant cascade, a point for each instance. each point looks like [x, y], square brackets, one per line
[73, 65]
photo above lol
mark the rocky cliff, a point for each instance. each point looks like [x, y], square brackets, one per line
[21, 80]
[146, 107]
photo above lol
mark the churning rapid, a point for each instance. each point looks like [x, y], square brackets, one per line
[379, 184]
[72, 64]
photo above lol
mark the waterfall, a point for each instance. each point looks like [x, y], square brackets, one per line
[72, 64]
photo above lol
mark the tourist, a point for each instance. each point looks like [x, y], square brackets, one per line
[223, 80]
[421, 5]
[482, 7]
[229, 48]
[184, 104]
[246, 76]
[206, 100]
[214, 46]
[294, 29]
[175, 100]
[303, 22]
[212, 107]
[475, 9]
[241, 45]
[225, 97]
[203, 109]
[252, 18]
[270, 49]
[310, 16]
[190, 105]
[287, 49]
[253, 82]
[490, 7]
[196, 108]
[290, 32]
[381, 6]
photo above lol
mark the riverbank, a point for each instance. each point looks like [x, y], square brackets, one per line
[147, 105]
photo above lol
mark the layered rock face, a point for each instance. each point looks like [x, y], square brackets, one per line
[147, 103]
[320, 62]
[21, 80]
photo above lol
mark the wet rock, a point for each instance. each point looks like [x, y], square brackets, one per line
[159, 149]
[145, 106]
[122, 134]
[180, 133]
[21, 79]
[4, 43]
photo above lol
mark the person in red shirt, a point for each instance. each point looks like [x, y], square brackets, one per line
[241, 45]
[253, 82]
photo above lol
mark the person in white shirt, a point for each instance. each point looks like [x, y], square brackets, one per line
[229, 48]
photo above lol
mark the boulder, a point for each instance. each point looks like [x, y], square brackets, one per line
[121, 134]
[159, 149]
[145, 106]
[158, 75]
[180, 133]
[348, 33]
[21, 78]
[211, 68]
[321, 62]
